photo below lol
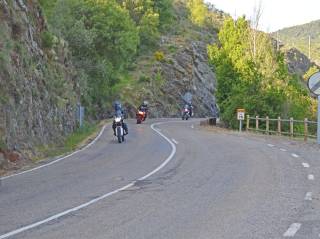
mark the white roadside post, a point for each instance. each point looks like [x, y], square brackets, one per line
[314, 86]
[240, 117]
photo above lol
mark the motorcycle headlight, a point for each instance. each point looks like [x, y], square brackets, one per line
[117, 119]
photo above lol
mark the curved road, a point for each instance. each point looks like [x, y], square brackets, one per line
[212, 184]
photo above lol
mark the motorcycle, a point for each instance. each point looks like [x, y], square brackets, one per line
[119, 128]
[186, 113]
[141, 116]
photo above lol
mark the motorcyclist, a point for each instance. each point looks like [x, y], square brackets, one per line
[190, 107]
[119, 112]
[144, 108]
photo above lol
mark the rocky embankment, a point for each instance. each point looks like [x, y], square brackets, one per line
[37, 86]
[185, 71]
[298, 63]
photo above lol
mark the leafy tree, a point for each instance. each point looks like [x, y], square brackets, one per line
[165, 10]
[103, 40]
[258, 82]
[198, 11]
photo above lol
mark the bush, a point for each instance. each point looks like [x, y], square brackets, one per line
[159, 55]
[47, 39]
[144, 78]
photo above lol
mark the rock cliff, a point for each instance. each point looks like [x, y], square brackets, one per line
[185, 71]
[38, 91]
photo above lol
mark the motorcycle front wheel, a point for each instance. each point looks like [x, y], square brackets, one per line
[119, 135]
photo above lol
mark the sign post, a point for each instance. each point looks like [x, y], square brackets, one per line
[314, 86]
[240, 117]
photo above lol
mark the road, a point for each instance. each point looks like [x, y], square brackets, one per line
[177, 181]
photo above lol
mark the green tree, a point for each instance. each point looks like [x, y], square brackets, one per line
[258, 82]
[198, 11]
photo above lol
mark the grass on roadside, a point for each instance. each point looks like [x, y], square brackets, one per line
[75, 140]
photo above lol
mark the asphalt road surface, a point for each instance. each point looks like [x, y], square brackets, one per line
[174, 180]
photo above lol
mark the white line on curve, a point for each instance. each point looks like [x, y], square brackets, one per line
[270, 145]
[308, 196]
[306, 165]
[59, 159]
[292, 230]
[175, 141]
[311, 177]
[283, 150]
[295, 155]
[84, 205]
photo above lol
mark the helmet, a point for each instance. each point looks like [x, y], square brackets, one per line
[117, 105]
[145, 103]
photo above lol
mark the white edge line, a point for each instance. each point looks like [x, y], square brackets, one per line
[292, 230]
[59, 159]
[270, 145]
[175, 141]
[283, 150]
[66, 212]
[295, 155]
[306, 165]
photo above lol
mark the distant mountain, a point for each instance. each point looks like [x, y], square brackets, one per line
[298, 37]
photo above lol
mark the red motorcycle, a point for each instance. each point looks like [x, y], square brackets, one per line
[141, 116]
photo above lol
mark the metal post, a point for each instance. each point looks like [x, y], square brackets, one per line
[248, 123]
[305, 129]
[291, 127]
[240, 126]
[318, 126]
[267, 125]
[257, 123]
[309, 47]
[80, 114]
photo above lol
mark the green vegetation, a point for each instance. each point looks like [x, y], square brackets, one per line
[47, 39]
[310, 72]
[72, 142]
[257, 80]
[204, 15]
[298, 37]
[105, 37]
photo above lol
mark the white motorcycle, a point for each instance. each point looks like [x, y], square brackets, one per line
[119, 128]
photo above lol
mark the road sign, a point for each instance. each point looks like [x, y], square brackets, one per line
[314, 86]
[240, 117]
[240, 114]
[314, 83]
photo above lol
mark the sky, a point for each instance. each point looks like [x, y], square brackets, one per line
[276, 14]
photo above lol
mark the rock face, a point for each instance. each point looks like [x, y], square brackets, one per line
[298, 63]
[37, 85]
[186, 71]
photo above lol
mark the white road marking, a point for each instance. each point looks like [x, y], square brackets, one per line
[59, 159]
[84, 205]
[306, 165]
[175, 141]
[283, 150]
[311, 177]
[308, 196]
[192, 126]
[295, 155]
[271, 145]
[292, 230]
